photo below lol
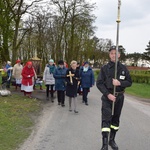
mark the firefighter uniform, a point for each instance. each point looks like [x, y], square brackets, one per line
[110, 124]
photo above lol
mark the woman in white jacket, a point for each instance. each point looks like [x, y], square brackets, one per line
[49, 79]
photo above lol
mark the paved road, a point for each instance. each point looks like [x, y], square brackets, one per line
[59, 129]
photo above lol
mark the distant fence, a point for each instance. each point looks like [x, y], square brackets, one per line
[137, 68]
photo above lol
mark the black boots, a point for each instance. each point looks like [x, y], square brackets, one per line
[112, 142]
[105, 143]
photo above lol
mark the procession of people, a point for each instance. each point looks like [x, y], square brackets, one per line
[66, 80]
[69, 80]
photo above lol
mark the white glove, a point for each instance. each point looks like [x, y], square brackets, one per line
[29, 76]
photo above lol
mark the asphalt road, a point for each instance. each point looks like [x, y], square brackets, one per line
[59, 129]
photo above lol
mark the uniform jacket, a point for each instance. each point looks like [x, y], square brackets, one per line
[71, 89]
[60, 75]
[87, 78]
[48, 77]
[17, 70]
[25, 72]
[104, 81]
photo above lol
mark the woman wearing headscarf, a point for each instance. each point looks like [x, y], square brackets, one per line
[87, 80]
[72, 79]
[49, 79]
[17, 70]
[27, 81]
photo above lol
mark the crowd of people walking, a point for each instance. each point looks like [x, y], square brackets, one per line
[66, 80]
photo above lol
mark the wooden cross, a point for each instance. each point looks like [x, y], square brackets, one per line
[70, 75]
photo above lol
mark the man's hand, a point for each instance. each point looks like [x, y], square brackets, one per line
[116, 82]
[111, 97]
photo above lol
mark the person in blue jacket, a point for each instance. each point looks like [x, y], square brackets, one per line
[9, 69]
[60, 82]
[87, 80]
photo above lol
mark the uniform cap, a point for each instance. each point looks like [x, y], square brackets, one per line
[114, 48]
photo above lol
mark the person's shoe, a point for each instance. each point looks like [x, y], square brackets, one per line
[113, 145]
[58, 103]
[75, 111]
[63, 105]
[29, 96]
[86, 104]
[70, 109]
[105, 144]
[83, 101]
[112, 142]
[105, 147]
[47, 98]
[52, 100]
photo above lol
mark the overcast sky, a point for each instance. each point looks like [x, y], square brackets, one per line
[134, 33]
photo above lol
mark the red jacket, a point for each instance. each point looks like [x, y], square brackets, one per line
[25, 75]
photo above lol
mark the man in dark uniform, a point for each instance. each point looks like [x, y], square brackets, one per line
[105, 83]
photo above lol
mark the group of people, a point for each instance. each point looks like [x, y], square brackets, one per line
[61, 78]
[69, 80]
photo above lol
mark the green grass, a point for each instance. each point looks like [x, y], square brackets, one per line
[140, 90]
[16, 120]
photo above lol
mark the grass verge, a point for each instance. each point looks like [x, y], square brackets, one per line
[15, 120]
[140, 90]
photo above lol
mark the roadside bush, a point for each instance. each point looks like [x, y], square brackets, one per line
[96, 73]
[138, 76]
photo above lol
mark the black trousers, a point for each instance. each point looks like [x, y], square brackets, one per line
[61, 97]
[51, 90]
[110, 122]
[85, 94]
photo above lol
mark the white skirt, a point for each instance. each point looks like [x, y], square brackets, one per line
[18, 81]
[27, 88]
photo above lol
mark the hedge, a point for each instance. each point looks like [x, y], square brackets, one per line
[137, 76]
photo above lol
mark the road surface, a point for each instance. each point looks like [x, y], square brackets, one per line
[59, 129]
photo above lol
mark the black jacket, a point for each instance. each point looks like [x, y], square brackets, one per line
[104, 81]
[71, 89]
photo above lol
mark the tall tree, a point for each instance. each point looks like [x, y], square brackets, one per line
[146, 55]
[18, 8]
[6, 30]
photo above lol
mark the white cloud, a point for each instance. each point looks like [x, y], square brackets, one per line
[134, 27]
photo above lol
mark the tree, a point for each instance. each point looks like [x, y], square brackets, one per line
[17, 8]
[122, 53]
[146, 55]
[6, 30]
[74, 29]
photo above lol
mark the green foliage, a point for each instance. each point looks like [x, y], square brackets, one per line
[16, 122]
[140, 90]
[139, 76]
[96, 73]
